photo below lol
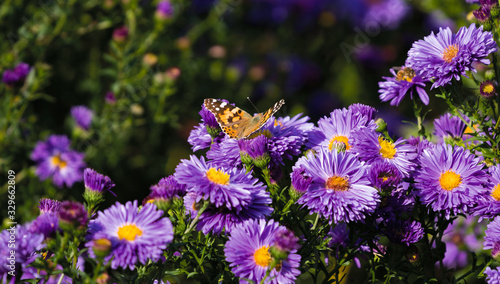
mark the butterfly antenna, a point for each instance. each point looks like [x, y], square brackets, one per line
[248, 98]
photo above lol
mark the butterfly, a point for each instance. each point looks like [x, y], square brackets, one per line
[237, 123]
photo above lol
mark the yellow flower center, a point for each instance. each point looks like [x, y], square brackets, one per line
[337, 183]
[488, 88]
[405, 74]
[129, 232]
[262, 256]
[495, 193]
[56, 161]
[449, 180]
[341, 139]
[387, 149]
[217, 176]
[450, 52]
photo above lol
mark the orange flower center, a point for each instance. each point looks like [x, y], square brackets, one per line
[495, 193]
[56, 161]
[129, 232]
[337, 183]
[405, 74]
[387, 149]
[217, 176]
[341, 139]
[450, 52]
[262, 257]
[450, 180]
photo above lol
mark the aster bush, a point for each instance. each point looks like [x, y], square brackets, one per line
[117, 172]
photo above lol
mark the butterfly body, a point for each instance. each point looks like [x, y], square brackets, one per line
[237, 123]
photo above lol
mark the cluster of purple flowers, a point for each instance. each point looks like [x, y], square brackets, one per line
[16, 76]
[438, 58]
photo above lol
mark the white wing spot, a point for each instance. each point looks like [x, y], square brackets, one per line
[217, 109]
[214, 100]
[223, 104]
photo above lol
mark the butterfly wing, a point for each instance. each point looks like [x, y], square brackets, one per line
[260, 119]
[231, 119]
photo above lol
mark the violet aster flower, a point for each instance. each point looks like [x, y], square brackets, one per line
[55, 159]
[110, 98]
[22, 70]
[449, 127]
[167, 189]
[254, 151]
[384, 176]
[340, 189]
[72, 215]
[450, 179]
[95, 181]
[247, 252]
[199, 138]
[26, 246]
[406, 80]
[300, 179]
[228, 187]
[209, 120]
[338, 127]
[46, 224]
[487, 89]
[489, 204]
[10, 77]
[404, 231]
[164, 9]
[372, 147]
[492, 275]
[136, 236]
[492, 237]
[219, 219]
[48, 205]
[82, 116]
[461, 238]
[226, 153]
[445, 56]
[365, 110]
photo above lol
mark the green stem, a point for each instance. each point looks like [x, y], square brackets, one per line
[315, 223]
[193, 223]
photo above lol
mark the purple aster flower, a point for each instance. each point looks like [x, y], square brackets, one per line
[167, 189]
[218, 219]
[482, 14]
[209, 120]
[449, 127]
[120, 34]
[46, 224]
[384, 176]
[420, 145]
[338, 127]
[406, 80]
[489, 204]
[449, 179]
[136, 236]
[365, 110]
[446, 55]
[48, 205]
[285, 240]
[10, 77]
[404, 231]
[340, 189]
[492, 275]
[226, 153]
[55, 159]
[22, 70]
[199, 138]
[25, 250]
[487, 89]
[230, 188]
[82, 116]
[492, 237]
[372, 147]
[72, 215]
[286, 136]
[339, 235]
[254, 151]
[164, 9]
[247, 252]
[95, 181]
[388, 13]
[110, 98]
[300, 179]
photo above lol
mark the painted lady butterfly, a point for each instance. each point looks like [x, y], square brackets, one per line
[237, 123]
